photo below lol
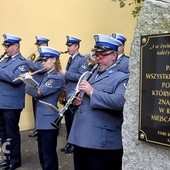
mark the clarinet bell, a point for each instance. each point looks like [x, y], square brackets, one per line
[57, 122]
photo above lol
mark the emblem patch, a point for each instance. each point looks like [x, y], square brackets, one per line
[22, 68]
[49, 83]
[84, 65]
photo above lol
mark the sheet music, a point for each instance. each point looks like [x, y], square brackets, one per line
[49, 105]
[29, 81]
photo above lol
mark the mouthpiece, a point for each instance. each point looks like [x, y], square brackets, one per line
[63, 52]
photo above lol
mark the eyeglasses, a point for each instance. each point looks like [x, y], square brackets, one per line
[102, 56]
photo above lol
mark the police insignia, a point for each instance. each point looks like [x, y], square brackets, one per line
[22, 68]
[96, 37]
[49, 83]
[4, 35]
[113, 35]
[84, 65]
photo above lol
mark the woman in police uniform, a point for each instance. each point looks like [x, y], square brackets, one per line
[49, 90]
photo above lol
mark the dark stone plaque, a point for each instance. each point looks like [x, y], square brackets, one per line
[154, 117]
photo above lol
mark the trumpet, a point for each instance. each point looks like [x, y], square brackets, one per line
[32, 56]
[64, 52]
[22, 76]
[2, 55]
[85, 76]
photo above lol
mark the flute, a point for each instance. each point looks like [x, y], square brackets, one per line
[21, 77]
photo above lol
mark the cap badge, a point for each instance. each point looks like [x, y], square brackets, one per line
[96, 37]
[114, 35]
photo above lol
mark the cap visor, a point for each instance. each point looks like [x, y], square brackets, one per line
[100, 48]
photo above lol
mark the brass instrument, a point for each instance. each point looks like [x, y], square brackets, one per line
[85, 76]
[90, 60]
[32, 56]
[2, 55]
[22, 76]
[62, 98]
[64, 52]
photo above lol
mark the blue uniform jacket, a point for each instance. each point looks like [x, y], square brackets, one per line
[98, 120]
[50, 86]
[35, 65]
[77, 68]
[12, 94]
[123, 63]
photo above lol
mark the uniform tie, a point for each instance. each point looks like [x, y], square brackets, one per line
[98, 74]
[69, 63]
[8, 59]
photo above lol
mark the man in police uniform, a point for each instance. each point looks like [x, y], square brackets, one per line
[122, 60]
[96, 128]
[76, 66]
[12, 100]
[48, 90]
[40, 42]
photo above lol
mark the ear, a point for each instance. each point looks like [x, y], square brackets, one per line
[114, 56]
[54, 60]
[16, 45]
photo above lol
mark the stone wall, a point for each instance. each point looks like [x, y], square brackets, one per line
[154, 18]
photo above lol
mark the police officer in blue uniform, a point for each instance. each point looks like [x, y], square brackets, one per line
[122, 60]
[76, 66]
[12, 100]
[48, 90]
[40, 41]
[96, 128]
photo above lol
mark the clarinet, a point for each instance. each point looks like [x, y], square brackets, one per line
[2, 55]
[86, 76]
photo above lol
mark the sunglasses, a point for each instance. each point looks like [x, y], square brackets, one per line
[8, 45]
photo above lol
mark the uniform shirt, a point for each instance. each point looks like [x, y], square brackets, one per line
[50, 86]
[12, 94]
[34, 65]
[76, 69]
[123, 63]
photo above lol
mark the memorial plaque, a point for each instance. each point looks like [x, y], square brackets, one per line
[154, 117]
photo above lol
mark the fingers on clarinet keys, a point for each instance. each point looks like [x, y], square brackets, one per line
[68, 149]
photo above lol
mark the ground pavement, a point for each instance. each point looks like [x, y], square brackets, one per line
[30, 160]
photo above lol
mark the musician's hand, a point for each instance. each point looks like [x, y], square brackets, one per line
[77, 101]
[63, 72]
[27, 75]
[86, 87]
